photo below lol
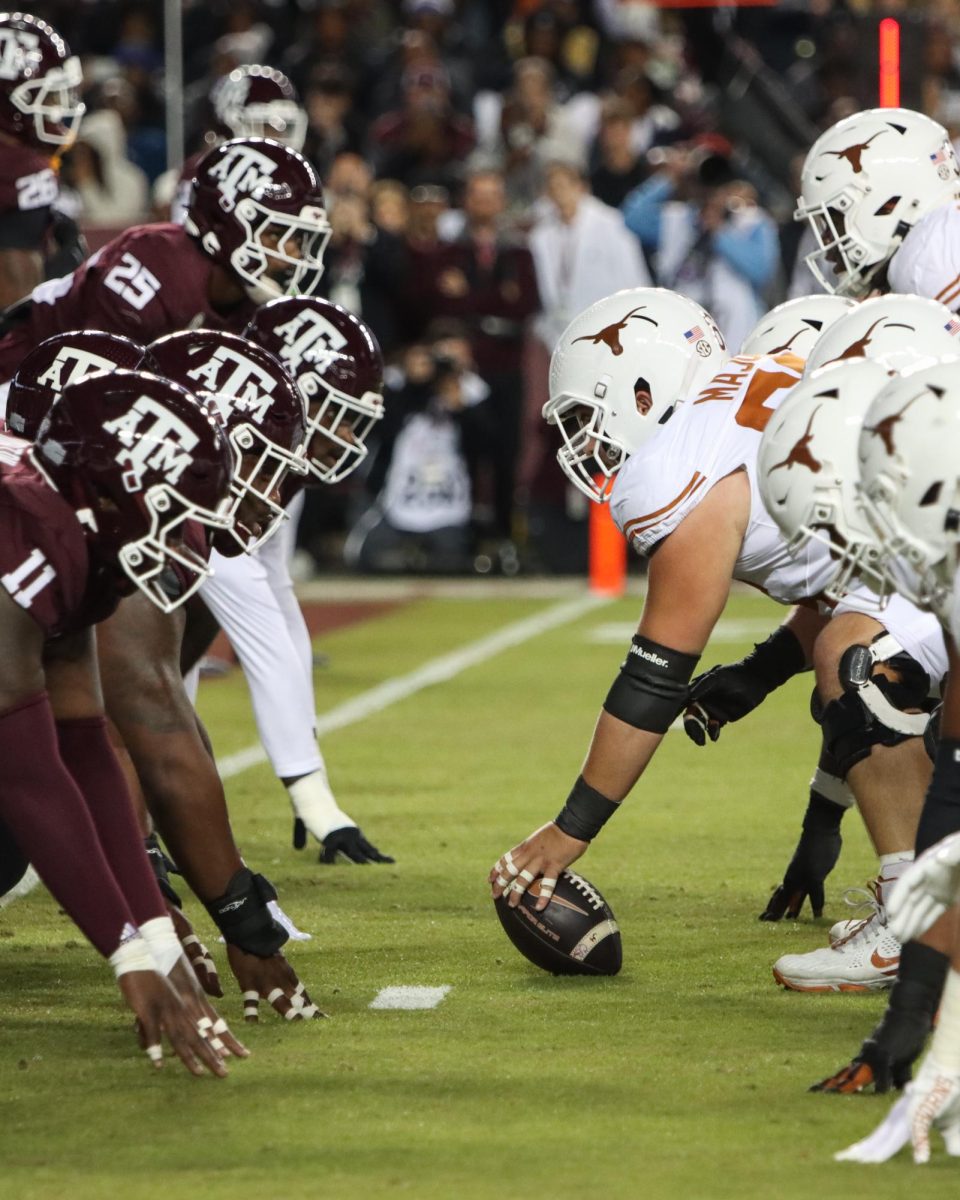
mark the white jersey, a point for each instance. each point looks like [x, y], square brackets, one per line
[708, 437]
[928, 260]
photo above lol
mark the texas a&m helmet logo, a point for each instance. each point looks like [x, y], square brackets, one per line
[240, 171]
[310, 341]
[70, 365]
[234, 377]
[153, 439]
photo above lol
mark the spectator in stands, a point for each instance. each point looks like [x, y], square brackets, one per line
[333, 125]
[365, 265]
[582, 251]
[425, 140]
[485, 278]
[707, 236]
[620, 167]
[533, 129]
[419, 480]
[111, 190]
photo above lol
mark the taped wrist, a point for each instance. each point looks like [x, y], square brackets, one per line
[243, 918]
[823, 816]
[585, 812]
[776, 660]
[651, 688]
[941, 808]
[161, 866]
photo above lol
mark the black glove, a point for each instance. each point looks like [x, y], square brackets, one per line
[727, 693]
[349, 844]
[814, 858]
[886, 1058]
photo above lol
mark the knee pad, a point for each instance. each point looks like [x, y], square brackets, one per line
[870, 711]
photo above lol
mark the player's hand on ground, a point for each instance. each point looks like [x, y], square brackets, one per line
[350, 846]
[198, 955]
[207, 1019]
[934, 1104]
[814, 858]
[543, 855]
[161, 1013]
[271, 979]
[925, 891]
[886, 1058]
[722, 694]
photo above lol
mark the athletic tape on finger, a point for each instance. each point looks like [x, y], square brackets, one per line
[547, 886]
[155, 1053]
[204, 1024]
[503, 882]
[251, 1004]
[510, 865]
[293, 1014]
[217, 1045]
[220, 1025]
[275, 995]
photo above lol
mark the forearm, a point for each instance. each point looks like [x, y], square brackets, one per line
[88, 756]
[49, 820]
[187, 803]
[618, 756]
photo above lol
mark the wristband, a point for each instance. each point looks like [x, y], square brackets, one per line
[163, 943]
[243, 917]
[777, 659]
[585, 812]
[133, 954]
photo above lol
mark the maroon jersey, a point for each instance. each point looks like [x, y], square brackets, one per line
[150, 281]
[44, 564]
[28, 189]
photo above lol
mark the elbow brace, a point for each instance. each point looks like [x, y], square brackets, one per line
[651, 688]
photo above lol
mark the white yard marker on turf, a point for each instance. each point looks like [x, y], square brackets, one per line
[437, 670]
[727, 629]
[409, 997]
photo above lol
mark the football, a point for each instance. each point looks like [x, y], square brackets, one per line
[576, 934]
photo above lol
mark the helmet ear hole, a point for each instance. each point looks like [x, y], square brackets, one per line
[643, 396]
[887, 207]
[932, 494]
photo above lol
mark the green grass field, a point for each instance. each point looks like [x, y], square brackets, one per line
[684, 1077]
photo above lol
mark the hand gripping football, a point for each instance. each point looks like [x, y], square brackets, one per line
[576, 934]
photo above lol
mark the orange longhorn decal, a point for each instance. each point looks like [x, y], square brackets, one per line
[800, 455]
[853, 154]
[610, 334]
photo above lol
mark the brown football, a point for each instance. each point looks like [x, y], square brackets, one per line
[576, 934]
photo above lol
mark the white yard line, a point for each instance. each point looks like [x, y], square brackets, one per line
[409, 997]
[437, 670]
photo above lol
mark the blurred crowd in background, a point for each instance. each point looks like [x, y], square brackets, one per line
[491, 167]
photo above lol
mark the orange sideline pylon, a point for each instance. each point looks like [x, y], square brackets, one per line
[608, 553]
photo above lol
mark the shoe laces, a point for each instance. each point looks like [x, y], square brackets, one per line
[867, 901]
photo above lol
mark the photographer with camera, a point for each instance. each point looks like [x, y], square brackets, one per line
[705, 234]
[419, 480]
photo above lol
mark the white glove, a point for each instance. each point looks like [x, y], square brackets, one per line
[934, 1103]
[925, 891]
[888, 1139]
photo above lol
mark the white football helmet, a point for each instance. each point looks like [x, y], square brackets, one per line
[865, 182]
[899, 332]
[616, 373]
[807, 469]
[794, 326]
[910, 480]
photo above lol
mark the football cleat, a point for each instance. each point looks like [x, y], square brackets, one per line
[865, 960]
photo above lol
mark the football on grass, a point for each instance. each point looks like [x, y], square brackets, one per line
[576, 934]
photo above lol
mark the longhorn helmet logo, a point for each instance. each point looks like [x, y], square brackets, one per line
[800, 454]
[609, 335]
[853, 155]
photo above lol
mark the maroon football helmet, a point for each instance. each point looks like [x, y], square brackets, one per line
[63, 359]
[138, 456]
[337, 364]
[260, 407]
[256, 208]
[258, 101]
[39, 83]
